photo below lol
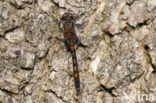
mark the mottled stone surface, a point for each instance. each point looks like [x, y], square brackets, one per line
[118, 66]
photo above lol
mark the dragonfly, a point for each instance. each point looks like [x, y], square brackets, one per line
[71, 42]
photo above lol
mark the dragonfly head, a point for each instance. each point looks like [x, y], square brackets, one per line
[67, 16]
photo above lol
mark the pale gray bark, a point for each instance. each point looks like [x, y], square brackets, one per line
[119, 65]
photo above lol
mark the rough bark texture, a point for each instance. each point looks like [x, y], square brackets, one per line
[119, 65]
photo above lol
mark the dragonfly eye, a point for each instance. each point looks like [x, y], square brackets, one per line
[63, 17]
[72, 16]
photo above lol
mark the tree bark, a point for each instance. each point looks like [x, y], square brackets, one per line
[118, 66]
